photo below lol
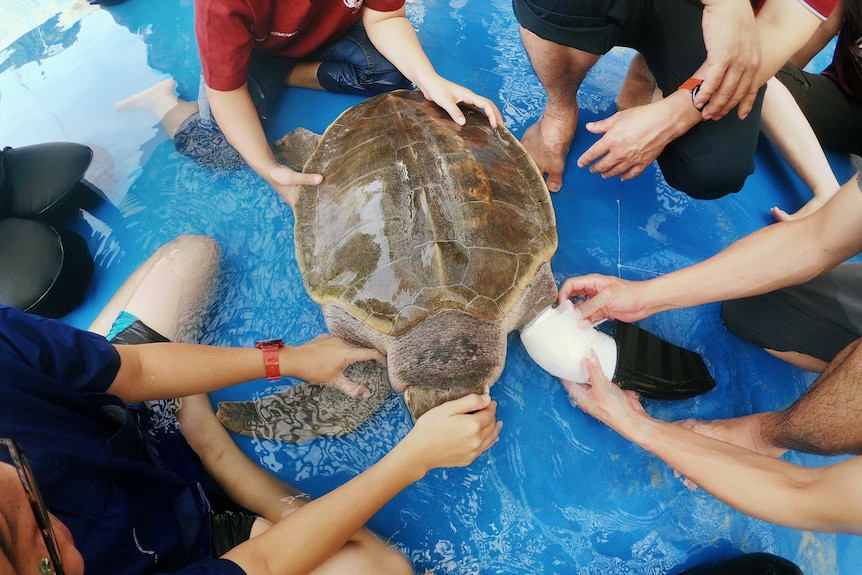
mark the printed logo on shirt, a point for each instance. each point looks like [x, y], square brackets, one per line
[282, 34]
[353, 4]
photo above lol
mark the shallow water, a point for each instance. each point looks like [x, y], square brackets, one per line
[560, 493]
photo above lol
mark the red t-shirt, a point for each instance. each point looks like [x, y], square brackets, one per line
[228, 30]
[820, 7]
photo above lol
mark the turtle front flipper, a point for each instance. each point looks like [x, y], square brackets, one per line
[309, 410]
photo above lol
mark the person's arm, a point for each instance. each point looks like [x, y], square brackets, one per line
[394, 36]
[732, 56]
[822, 499]
[242, 480]
[824, 33]
[632, 139]
[779, 255]
[450, 435]
[237, 118]
[170, 370]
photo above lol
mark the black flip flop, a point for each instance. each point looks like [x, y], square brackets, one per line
[656, 368]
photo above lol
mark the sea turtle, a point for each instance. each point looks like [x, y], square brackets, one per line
[428, 241]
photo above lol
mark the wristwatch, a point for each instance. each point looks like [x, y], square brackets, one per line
[692, 85]
[270, 349]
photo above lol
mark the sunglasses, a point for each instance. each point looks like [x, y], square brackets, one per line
[51, 565]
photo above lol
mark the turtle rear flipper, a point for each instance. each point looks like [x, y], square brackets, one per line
[309, 410]
[294, 149]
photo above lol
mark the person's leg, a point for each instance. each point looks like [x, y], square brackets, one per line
[350, 65]
[250, 486]
[161, 99]
[189, 124]
[639, 86]
[561, 70]
[824, 420]
[169, 291]
[304, 75]
[835, 117]
[789, 131]
[563, 41]
[808, 324]
[713, 158]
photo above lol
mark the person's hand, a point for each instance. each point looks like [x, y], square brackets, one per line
[732, 58]
[631, 141]
[618, 408]
[286, 182]
[323, 359]
[448, 95]
[454, 433]
[608, 298]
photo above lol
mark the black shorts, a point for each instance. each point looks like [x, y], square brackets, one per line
[667, 32]
[748, 564]
[835, 117]
[229, 529]
[713, 158]
[137, 333]
[231, 523]
[818, 318]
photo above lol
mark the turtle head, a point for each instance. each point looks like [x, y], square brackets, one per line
[420, 400]
[449, 355]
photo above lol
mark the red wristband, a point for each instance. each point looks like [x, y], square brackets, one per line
[270, 349]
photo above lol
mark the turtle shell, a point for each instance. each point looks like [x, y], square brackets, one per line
[417, 214]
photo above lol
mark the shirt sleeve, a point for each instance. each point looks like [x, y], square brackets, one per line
[820, 7]
[211, 567]
[225, 42]
[384, 5]
[76, 358]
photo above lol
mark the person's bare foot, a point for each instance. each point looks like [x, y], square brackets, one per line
[741, 431]
[547, 141]
[812, 206]
[639, 85]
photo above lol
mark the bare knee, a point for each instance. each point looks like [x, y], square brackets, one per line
[193, 247]
[366, 555]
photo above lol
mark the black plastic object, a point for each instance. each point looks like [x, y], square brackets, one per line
[43, 270]
[37, 180]
[656, 368]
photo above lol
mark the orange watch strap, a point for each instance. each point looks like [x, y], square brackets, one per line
[691, 84]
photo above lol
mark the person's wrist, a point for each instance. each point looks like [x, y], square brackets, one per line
[635, 427]
[264, 167]
[682, 115]
[286, 360]
[656, 296]
[410, 459]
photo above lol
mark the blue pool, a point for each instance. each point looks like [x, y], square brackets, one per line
[559, 493]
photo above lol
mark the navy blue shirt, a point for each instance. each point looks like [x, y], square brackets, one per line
[122, 478]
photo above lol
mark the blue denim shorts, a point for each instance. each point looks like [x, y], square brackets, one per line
[350, 65]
